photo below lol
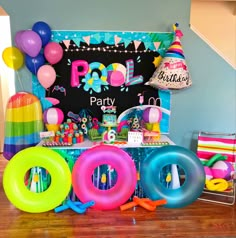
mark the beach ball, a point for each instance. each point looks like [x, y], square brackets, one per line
[53, 116]
[208, 173]
[152, 115]
[116, 74]
[222, 169]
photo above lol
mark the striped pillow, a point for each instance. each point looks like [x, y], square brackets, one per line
[209, 146]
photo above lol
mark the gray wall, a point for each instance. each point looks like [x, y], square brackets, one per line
[210, 104]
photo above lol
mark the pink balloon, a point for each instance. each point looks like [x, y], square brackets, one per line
[53, 52]
[46, 76]
[30, 42]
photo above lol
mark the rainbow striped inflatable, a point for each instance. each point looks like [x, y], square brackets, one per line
[23, 122]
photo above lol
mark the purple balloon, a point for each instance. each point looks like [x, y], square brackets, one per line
[18, 40]
[31, 43]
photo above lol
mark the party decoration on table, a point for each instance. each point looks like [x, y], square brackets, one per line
[152, 117]
[172, 73]
[53, 117]
[65, 134]
[23, 123]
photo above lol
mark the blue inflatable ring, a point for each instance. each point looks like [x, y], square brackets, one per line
[188, 192]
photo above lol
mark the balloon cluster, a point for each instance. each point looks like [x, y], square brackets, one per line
[40, 53]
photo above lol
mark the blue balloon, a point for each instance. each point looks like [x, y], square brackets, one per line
[43, 30]
[34, 63]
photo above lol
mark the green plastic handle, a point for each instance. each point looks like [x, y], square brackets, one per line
[214, 159]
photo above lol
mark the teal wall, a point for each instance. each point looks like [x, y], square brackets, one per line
[210, 104]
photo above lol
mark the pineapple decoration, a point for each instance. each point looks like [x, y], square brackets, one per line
[172, 73]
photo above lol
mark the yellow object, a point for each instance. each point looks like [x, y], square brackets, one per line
[156, 127]
[157, 61]
[28, 113]
[14, 180]
[219, 185]
[168, 177]
[149, 126]
[174, 27]
[153, 132]
[36, 178]
[104, 178]
[13, 57]
[53, 127]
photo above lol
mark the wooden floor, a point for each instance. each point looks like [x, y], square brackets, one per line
[199, 219]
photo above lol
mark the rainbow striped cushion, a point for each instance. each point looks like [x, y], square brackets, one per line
[209, 146]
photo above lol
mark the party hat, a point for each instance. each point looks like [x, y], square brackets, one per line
[172, 73]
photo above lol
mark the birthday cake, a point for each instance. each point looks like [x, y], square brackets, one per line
[109, 118]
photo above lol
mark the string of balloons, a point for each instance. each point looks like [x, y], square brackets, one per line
[34, 49]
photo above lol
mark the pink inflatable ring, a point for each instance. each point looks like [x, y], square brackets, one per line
[84, 169]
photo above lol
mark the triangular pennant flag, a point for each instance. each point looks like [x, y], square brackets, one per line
[66, 43]
[126, 42]
[136, 44]
[77, 41]
[97, 37]
[87, 39]
[107, 37]
[117, 39]
[172, 73]
[148, 44]
[156, 44]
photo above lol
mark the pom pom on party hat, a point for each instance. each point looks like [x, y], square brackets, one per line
[172, 73]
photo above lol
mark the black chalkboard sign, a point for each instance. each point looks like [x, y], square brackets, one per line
[107, 68]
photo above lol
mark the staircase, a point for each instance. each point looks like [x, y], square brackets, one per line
[215, 22]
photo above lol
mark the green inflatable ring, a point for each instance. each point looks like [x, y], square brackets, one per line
[17, 192]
